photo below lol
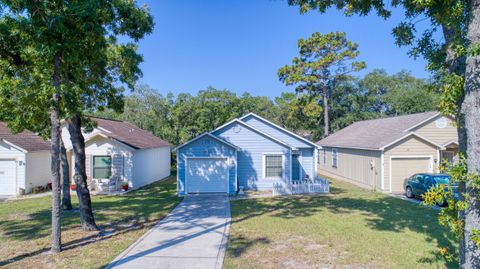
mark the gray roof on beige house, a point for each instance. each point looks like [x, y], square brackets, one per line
[376, 134]
[25, 140]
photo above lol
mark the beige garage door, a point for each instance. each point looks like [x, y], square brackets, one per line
[403, 168]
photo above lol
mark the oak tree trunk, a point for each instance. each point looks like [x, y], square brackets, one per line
[325, 114]
[471, 110]
[456, 65]
[85, 204]
[66, 198]
[55, 157]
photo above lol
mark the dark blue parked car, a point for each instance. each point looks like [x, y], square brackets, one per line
[418, 184]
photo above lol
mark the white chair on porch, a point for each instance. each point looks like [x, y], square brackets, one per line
[113, 184]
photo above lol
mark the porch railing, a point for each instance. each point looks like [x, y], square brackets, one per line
[318, 185]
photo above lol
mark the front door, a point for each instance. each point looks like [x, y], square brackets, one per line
[296, 167]
[447, 156]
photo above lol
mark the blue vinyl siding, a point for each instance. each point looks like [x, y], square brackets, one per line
[250, 158]
[275, 132]
[206, 147]
[253, 139]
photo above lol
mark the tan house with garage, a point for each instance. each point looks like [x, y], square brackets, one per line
[380, 154]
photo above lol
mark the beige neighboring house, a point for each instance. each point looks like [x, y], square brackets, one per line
[24, 162]
[118, 151]
[380, 154]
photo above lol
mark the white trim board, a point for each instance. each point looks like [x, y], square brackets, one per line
[236, 171]
[358, 148]
[453, 141]
[382, 171]
[291, 154]
[13, 145]
[409, 157]
[412, 134]
[422, 122]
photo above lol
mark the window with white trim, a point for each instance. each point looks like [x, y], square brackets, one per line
[102, 166]
[324, 156]
[273, 166]
[334, 158]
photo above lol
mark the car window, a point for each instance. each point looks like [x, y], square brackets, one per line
[420, 179]
[442, 179]
[429, 180]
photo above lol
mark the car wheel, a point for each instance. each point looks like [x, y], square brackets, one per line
[409, 192]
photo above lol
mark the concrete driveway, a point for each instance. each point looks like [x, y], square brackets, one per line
[193, 235]
[414, 200]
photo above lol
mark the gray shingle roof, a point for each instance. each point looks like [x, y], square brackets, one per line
[374, 134]
[25, 140]
[130, 134]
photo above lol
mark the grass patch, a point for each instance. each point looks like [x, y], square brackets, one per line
[352, 228]
[25, 232]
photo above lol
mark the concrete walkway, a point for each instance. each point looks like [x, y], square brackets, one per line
[193, 235]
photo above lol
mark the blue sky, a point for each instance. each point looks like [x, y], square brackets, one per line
[240, 44]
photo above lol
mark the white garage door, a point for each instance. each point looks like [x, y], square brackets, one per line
[8, 176]
[403, 168]
[207, 175]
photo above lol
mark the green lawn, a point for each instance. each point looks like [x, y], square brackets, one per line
[25, 228]
[351, 228]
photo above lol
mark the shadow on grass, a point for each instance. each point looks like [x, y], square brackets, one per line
[240, 244]
[121, 214]
[381, 212]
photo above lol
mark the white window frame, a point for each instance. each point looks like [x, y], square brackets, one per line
[264, 163]
[335, 157]
[93, 165]
[324, 156]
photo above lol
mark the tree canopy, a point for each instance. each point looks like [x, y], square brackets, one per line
[324, 59]
[60, 58]
[178, 118]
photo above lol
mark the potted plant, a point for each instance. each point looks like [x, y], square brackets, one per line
[124, 186]
[73, 187]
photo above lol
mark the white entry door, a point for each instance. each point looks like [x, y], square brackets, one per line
[8, 177]
[207, 175]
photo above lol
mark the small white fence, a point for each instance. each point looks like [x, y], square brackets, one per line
[319, 185]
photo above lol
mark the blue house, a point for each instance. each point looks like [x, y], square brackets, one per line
[249, 153]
